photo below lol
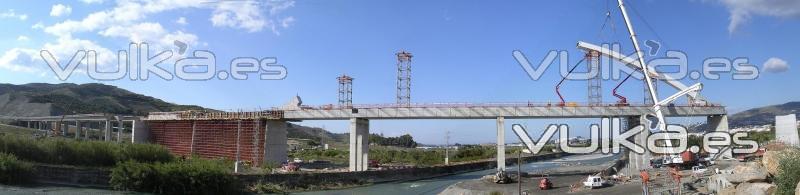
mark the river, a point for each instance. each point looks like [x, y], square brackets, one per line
[435, 185]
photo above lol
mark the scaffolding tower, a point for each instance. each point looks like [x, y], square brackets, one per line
[595, 82]
[345, 91]
[404, 78]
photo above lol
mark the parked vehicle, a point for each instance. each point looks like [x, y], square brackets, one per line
[374, 164]
[291, 166]
[545, 184]
[594, 182]
[656, 162]
[699, 169]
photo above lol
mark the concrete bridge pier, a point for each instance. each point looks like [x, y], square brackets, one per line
[720, 123]
[276, 141]
[107, 130]
[636, 161]
[64, 128]
[501, 144]
[359, 144]
[78, 129]
[140, 133]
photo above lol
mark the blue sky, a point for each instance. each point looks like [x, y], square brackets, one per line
[462, 49]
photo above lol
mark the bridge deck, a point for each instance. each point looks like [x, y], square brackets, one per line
[491, 112]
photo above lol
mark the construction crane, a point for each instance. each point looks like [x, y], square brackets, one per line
[694, 96]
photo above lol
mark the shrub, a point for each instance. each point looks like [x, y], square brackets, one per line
[13, 170]
[193, 176]
[788, 172]
[82, 153]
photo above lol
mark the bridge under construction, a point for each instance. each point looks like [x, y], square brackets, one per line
[261, 136]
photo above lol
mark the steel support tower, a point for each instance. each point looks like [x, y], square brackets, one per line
[345, 91]
[404, 78]
[595, 82]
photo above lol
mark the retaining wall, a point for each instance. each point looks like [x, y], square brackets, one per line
[308, 181]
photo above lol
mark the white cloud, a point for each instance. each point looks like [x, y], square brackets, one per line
[22, 38]
[60, 10]
[92, 1]
[742, 10]
[38, 25]
[129, 19]
[242, 15]
[19, 60]
[181, 21]
[12, 14]
[149, 32]
[287, 21]
[776, 65]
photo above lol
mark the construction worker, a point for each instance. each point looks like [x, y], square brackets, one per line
[676, 176]
[645, 180]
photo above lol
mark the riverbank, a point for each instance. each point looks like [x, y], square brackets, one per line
[564, 173]
[305, 181]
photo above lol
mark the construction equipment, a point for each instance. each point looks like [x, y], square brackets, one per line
[622, 100]
[558, 86]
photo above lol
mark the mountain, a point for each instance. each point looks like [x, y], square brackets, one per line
[763, 115]
[316, 134]
[41, 99]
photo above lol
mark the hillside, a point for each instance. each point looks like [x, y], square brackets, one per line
[40, 99]
[763, 115]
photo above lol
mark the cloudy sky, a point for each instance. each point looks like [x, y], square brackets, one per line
[462, 49]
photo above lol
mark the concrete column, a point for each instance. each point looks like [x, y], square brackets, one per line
[107, 131]
[720, 123]
[141, 132]
[359, 144]
[78, 129]
[501, 144]
[64, 128]
[636, 161]
[87, 130]
[29, 124]
[120, 127]
[275, 142]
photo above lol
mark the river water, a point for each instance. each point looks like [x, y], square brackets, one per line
[435, 185]
[426, 186]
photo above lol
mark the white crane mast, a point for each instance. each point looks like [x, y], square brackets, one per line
[662, 125]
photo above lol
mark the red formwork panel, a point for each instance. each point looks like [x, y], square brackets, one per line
[175, 135]
[212, 138]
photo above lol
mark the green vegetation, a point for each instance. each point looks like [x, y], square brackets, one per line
[405, 141]
[192, 176]
[81, 153]
[761, 137]
[408, 156]
[88, 98]
[13, 170]
[14, 130]
[788, 172]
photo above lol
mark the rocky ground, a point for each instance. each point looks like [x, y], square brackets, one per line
[566, 179]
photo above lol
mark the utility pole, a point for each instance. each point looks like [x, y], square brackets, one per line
[519, 171]
[447, 148]
[238, 137]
